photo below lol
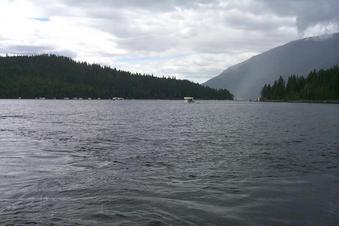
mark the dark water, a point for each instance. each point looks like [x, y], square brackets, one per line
[167, 162]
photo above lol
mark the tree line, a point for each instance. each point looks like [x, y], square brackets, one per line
[52, 76]
[318, 85]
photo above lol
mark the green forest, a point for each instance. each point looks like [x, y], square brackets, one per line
[318, 85]
[59, 77]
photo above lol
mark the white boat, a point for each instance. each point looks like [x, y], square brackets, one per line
[189, 99]
[117, 98]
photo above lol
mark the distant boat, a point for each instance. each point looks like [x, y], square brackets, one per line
[189, 99]
[117, 98]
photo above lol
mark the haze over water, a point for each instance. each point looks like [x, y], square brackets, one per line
[167, 162]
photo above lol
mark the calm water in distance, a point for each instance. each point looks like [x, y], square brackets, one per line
[168, 163]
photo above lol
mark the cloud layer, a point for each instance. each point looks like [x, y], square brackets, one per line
[192, 39]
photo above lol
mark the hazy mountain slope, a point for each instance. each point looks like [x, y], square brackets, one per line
[246, 79]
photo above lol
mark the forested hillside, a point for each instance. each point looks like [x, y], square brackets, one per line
[318, 85]
[53, 76]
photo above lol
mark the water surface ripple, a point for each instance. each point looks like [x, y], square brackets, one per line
[168, 163]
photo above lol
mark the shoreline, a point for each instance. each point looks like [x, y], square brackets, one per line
[304, 101]
[106, 99]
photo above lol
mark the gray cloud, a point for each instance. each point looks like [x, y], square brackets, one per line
[151, 5]
[65, 52]
[34, 49]
[190, 39]
[307, 12]
[25, 49]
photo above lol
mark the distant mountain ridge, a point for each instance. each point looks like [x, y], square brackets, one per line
[246, 79]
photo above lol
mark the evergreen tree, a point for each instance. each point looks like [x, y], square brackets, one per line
[53, 76]
[318, 85]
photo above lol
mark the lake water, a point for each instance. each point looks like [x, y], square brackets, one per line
[168, 163]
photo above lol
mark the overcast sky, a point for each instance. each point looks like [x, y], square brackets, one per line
[189, 39]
